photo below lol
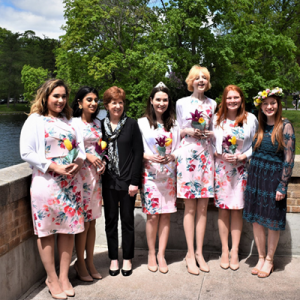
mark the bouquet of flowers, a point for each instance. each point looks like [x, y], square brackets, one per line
[198, 120]
[100, 149]
[162, 143]
[230, 142]
[73, 150]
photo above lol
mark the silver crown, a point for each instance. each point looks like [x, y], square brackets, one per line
[161, 85]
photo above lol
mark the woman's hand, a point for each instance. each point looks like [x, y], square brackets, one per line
[168, 158]
[241, 157]
[95, 161]
[64, 170]
[132, 190]
[231, 158]
[154, 158]
[279, 196]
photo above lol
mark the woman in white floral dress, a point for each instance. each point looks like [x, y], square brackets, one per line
[56, 188]
[234, 129]
[195, 166]
[158, 191]
[85, 109]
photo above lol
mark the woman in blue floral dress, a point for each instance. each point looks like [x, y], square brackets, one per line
[56, 187]
[269, 172]
[159, 175]
[234, 129]
[85, 109]
[195, 162]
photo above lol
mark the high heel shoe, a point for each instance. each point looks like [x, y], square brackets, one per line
[152, 268]
[94, 275]
[87, 278]
[255, 270]
[163, 270]
[70, 292]
[191, 268]
[223, 265]
[205, 270]
[262, 274]
[61, 295]
[127, 272]
[234, 267]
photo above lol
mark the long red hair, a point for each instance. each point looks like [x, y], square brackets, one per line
[277, 132]
[241, 115]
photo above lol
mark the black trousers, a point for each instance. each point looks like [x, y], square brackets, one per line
[111, 199]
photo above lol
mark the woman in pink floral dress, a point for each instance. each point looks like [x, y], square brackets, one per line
[85, 108]
[195, 165]
[159, 176]
[56, 188]
[234, 129]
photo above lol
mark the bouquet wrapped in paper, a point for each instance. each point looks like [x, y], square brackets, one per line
[73, 150]
[198, 120]
[100, 148]
[230, 143]
[162, 143]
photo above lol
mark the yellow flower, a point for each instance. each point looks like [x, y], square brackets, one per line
[168, 142]
[68, 144]
[233, 140]
[264, 94]
[258, 100]
[201, 120]
[103, 145]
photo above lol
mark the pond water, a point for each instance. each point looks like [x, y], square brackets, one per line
[10, 129]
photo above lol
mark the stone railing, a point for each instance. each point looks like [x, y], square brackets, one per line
[19, 254]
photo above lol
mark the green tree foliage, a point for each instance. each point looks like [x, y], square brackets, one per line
[32, 78]
[136, 43]
[18, 49]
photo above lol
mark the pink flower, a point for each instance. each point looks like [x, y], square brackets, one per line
[69, 211]
[155, 202]
[192, 168]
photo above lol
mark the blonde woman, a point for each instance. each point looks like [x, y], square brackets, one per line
[195, 162]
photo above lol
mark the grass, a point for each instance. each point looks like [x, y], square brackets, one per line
[294, 117]
[17, 108]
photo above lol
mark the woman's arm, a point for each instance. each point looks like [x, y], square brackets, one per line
[288, 161]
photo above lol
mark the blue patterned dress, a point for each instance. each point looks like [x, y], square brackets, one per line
[269, 171]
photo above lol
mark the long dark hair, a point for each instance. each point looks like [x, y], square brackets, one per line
[81, 93]
[168, 116]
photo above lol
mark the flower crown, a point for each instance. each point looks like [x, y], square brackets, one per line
[267, 93]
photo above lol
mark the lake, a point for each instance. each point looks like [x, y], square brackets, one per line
[10, 129]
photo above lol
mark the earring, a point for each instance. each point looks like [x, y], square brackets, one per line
[80, 106]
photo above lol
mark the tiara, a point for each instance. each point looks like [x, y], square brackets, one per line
[267, 93]
[161, 85]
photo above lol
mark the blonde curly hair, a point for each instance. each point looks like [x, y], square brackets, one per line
[194, 73]
[39, 104]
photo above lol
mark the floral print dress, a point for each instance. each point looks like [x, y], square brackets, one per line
[230, 179]
[92, 181]
[56, 200]
[195, 162]
[158, 191]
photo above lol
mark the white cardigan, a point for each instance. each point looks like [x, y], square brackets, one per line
[250, 128]
[32, 142]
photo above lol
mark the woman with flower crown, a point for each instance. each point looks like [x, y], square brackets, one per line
[234, 129]
[158, 191]
[85, 109]
[195, 162]
[52, 144]
[269, 172]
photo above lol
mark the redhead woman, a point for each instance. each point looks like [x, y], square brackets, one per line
[122, 177]
[85, 109]
[158, 191]
[56, 187]
[195, 162]
[269, 172]
[234, 129]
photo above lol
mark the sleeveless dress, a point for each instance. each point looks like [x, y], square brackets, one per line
[230, 179]
[269, 172]
[158, 191]
[92, 181]
[56, 200]
[195, 160]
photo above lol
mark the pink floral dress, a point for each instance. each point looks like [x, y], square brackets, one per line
[158, 191]
[195, 162]
[92, 181]
[56, 200]
[230, 179]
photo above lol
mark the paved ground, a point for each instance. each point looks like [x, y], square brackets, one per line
[284, 283]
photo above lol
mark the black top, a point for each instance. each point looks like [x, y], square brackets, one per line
[131, 150]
